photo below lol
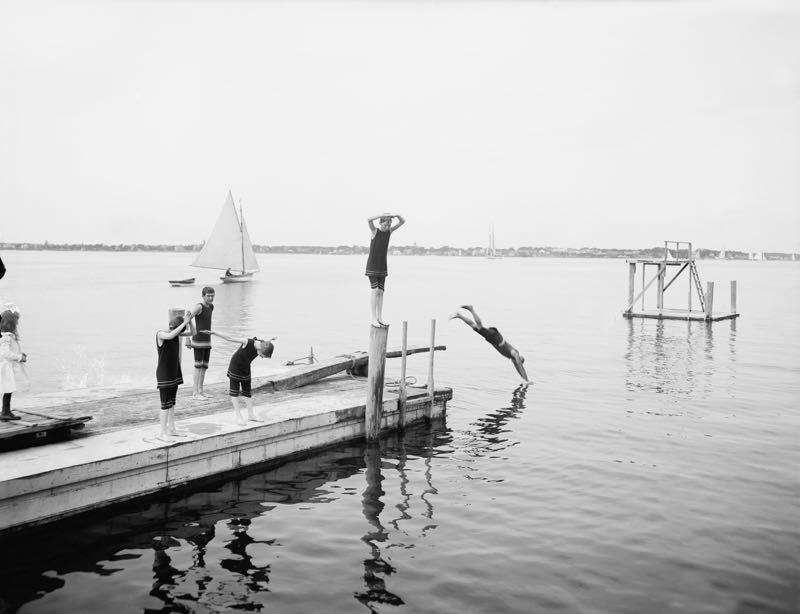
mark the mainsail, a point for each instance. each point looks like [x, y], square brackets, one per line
[229, 245]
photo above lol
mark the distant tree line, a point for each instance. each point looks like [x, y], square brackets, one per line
[415, 250]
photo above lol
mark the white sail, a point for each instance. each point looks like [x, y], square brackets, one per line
[229, 245]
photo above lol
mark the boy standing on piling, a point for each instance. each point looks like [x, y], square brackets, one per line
[201, 342]
[168, 373]
[239, 370]
[377, 270]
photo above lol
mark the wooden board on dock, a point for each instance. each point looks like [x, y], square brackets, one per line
[36, 428]
[307, 374]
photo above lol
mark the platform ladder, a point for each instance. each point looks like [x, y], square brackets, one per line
[698, 285]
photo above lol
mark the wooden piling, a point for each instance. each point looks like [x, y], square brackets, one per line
[662, 268]
[403, 393]
[709, 300]
[733, 296]
[631, 283]
[378, 336]
[430, 367]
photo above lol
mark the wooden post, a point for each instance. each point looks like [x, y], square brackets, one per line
[403, 393]
[690, 288]
[709, 299]
[375, 370]
[644, 266]
[733, 296]
[429, 408]
[631, 283]
[660, 288]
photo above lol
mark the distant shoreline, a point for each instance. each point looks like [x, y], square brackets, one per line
[414, 250]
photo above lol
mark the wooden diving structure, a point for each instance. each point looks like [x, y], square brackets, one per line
[677, 255]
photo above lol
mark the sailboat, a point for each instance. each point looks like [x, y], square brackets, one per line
[229, 248]
[491, 251]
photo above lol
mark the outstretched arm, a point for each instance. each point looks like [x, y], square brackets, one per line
[240, 340]
[371, 222]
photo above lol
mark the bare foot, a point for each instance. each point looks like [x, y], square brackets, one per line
[177, 433]
[254, 419]
[165, 438]
[206, 395]
[377, 323]
[198, 397]
[454, 315]
[467, 307]
[240, 421]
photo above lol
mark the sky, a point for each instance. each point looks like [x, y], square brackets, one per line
[556, 122]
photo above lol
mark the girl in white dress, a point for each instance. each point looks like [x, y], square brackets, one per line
[12, 371]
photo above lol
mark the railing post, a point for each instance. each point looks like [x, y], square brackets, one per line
[403, 393]
[375, 370]
[429, 407]
[709, 299]
[733, 296]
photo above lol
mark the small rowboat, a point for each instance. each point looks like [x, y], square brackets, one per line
[189, 281]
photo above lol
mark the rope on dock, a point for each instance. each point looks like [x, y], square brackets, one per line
[395, 383]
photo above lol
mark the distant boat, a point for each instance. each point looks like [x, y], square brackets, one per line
[175, 283]
[722, 255]
[229, 248]
[491, 251]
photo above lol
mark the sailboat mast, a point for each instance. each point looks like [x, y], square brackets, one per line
[241, 232]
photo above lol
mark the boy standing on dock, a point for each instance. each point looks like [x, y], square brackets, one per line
[239, 370]
[377, 270]
[168, 372]
[495, 339]
[201, 342]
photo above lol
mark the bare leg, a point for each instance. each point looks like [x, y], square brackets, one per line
[380, 307]
[237, 411]
[469, 308]
[202, 382]
[197, 385]
[171, 428]
[163, 417]
[251, 416]
[464, 319]
[376, 303]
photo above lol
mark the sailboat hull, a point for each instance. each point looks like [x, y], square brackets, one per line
[236, 278]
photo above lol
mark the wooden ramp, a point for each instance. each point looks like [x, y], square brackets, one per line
[36, 428]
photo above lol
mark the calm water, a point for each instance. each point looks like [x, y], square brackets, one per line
[652, 467]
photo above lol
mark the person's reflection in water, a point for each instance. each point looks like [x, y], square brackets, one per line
[494, 424]
[256, 578]
[164, 574]
[375, 567]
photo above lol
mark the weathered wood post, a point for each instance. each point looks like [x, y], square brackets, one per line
[375, 370]
[709, 299]
[733, 296]
[662, 268]
[631, 283]
[403, 393]
[429, 407]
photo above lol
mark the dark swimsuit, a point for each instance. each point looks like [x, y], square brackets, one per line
[493, 336]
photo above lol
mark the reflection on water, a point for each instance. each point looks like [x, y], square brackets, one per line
[203, 546]
[679, 359]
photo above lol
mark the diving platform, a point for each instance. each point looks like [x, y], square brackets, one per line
[678, 258]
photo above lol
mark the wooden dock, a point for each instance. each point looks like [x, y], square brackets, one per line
[35, 428]
[119, 458]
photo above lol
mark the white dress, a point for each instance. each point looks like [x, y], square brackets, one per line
[12, 371]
